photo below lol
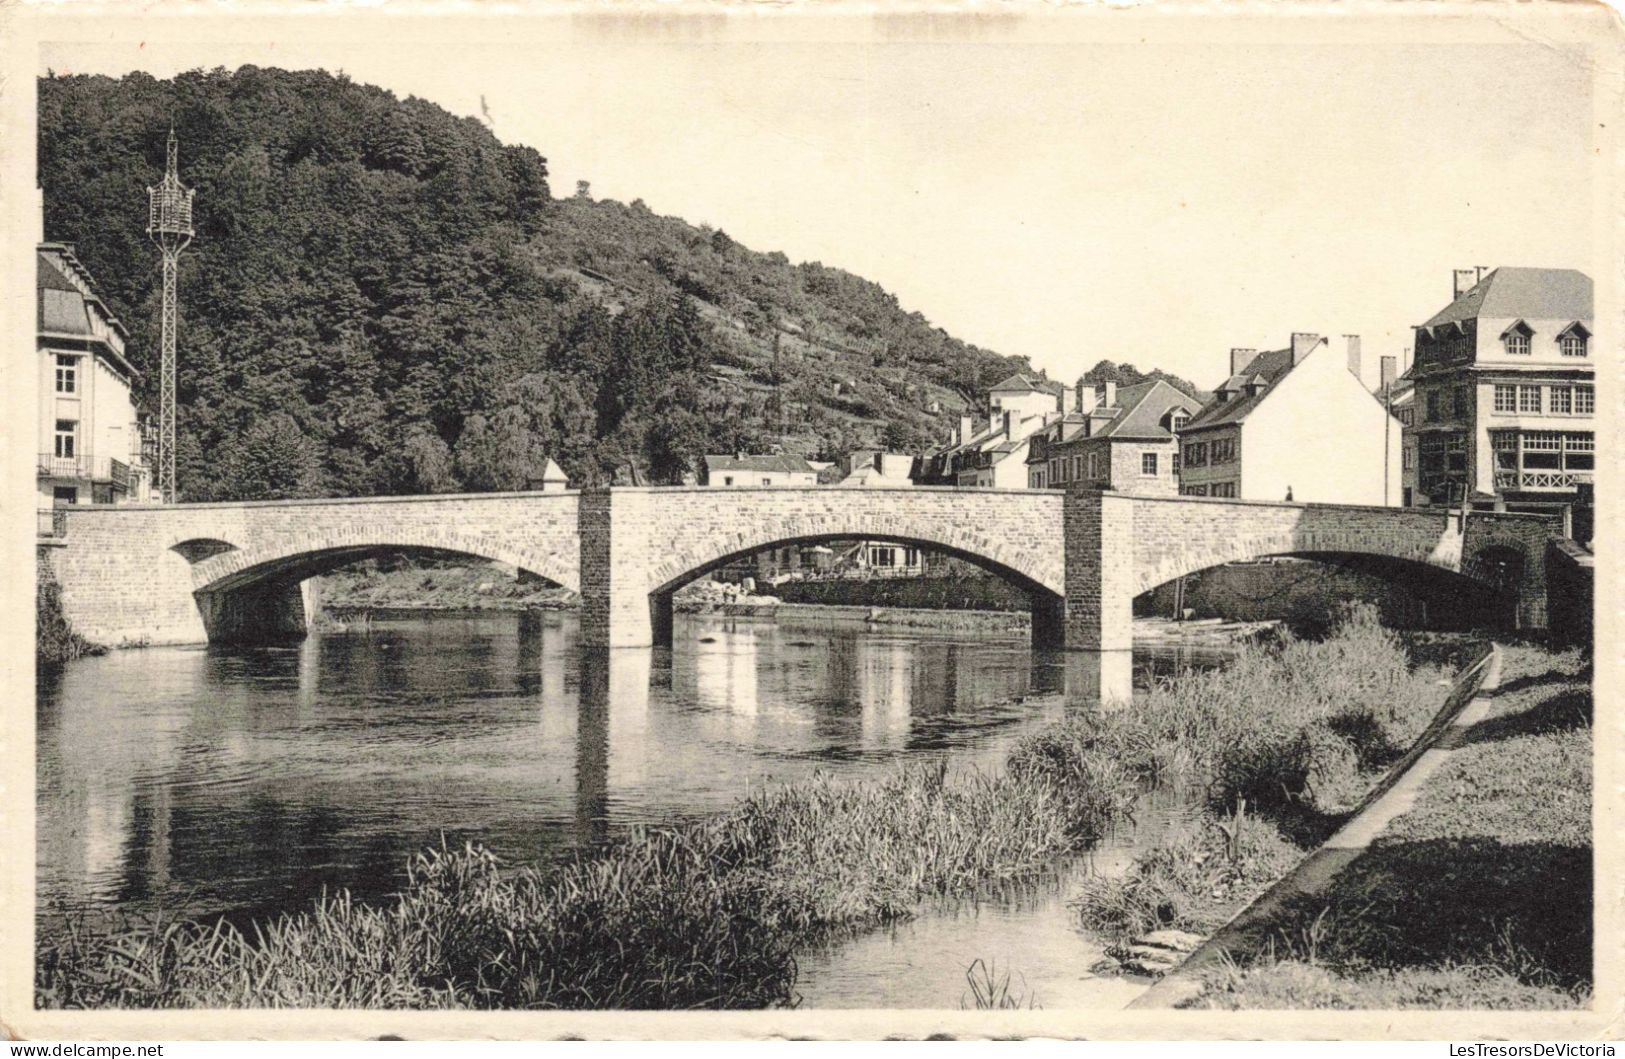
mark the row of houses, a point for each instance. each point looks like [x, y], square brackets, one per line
[1495, 412]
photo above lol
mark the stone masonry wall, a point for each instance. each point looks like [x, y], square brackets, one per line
[1178, 536]
[123, 581]
[661, 538]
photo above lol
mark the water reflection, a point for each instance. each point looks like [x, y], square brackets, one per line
[247, 780]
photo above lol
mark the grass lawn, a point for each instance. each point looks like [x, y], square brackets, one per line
[1480, 896]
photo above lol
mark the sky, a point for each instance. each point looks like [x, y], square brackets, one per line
[1154, 197]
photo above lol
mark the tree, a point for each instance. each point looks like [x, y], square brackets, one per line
[897, 437]
[424, 464]
[274, 460]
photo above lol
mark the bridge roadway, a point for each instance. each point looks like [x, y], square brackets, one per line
[193, 572]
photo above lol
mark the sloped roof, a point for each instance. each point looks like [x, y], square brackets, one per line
[760, 464]
[1271, 366]
[1140, 410]
[1534, 293]
[49, 277]
[872, 476]
[1023, 383]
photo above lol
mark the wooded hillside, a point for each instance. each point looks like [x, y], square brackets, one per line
[382, 298]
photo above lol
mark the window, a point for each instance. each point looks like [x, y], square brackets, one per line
[1505, 445]
[1196, 454]
[65, 494]
[1572, 343]
[1579, 452]
[1506, 397]
[1224, 451]
[1529, 399]
[67, 437]
[1408, 458]
[1148, 464]
[1455, 448]
[1585, 400]
[67, 374]
[1459, 402]
[1407, 416]
[1175, 467]
[1517, 342]
[1225, 489]
[1433, 406]
[1094, 465]
[1560, 401]
[1177, 422]
[767, 481]
[1193, 490]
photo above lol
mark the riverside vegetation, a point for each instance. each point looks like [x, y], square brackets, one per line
[711, 914]
[1479, 896]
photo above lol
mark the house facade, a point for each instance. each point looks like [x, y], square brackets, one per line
[90, 442]
[992, 453]
[1293, 424]
[1120, 437]
[1505, 402]
[742, 470]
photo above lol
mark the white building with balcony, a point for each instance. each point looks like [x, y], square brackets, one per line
[90, 441]
[1505, 405]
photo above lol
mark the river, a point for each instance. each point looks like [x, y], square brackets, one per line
[244, 781]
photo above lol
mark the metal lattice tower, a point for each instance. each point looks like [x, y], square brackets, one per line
[169, 226]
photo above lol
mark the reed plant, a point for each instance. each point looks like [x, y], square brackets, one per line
[707, 915]
[1287, 722]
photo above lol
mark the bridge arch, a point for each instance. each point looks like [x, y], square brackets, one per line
[1042, 582]
[1022, 567]
[1184, 557]
[294, 558]
[257, 592]
[660, 541]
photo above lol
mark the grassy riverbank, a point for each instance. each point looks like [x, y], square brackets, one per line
[711, 914]
[450, 586]
[1480, 896]
[1279, 746]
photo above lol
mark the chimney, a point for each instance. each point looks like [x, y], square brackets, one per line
[1390, 372]
[1463, 280]
[1353, 344]
[1086, 397]
[1240, 358]
[966, 425]
[1303, 343]
[1109, 400]
[1069, 399]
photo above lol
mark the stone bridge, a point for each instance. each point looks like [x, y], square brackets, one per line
[195, 572]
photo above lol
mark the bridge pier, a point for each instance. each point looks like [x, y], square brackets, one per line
[263, 613]
[1098, 539]
[616, 607]
[1048, 622]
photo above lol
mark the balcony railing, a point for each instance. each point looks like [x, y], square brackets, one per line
[54, 466]
[94, 468]
[1538, 481]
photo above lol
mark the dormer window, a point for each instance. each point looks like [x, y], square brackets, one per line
[1571, 341]
[1516, 338]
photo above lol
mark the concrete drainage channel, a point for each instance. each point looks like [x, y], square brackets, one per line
[1466, 705]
